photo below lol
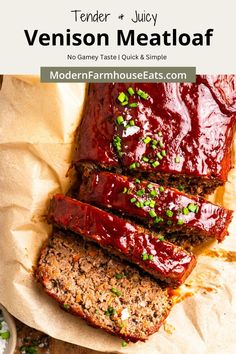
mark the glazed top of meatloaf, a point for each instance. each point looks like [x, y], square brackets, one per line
[175, 128]
[160, 258]
[175, 210]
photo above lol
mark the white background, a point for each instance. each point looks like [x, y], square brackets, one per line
[55, 16]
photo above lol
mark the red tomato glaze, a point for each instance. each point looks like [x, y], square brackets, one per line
[192, 123]
[173, 209]
[160, 258]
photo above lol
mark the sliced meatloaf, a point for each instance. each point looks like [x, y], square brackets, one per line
[162, 259]
[176, 212]
[107, 293]
[170, 133]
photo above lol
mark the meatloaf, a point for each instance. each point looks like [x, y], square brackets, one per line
[176, 212]
[160, 258]
[170, 133]
[107, 293]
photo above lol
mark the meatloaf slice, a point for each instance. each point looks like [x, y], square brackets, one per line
[107, 293]
[176, 212]
[171, 133]
[162, 259]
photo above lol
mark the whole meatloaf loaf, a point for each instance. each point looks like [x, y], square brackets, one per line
[162, 259]
[107, 293]
[170, 133]
[174, 212]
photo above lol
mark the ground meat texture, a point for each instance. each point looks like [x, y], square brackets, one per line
[177, 212]
[164, 260]
[174, 133]
[106, 292]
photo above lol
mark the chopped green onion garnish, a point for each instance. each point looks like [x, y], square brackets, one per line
[138, 205]
[147, 140]
[137, 180]
[153, 193]
[66, 306]
[125, 190]
[152, 204]
[133, 200]
[149, 186]
[152, 213]
[5, 335]
[110, 311]
[154, 147]
[159, 156]
[158, 219]
[122, 97]
[150, 257]
[131, 91]
[124, 103]
[145, 96]
[161, 144]
[144, 256]
[154, 142]
[119, 276]
[117, 143]
[119, 120]
[134, 165]
[141, 204]
[163, 152]
[117, 139]
[180, 188]
[185, 211]
[133, 104]
[141, 192]
[145, 159]
[192, 207]
[142, 94]
[131, 122]
[124, 344]
[169, 222]
[118, 147]
[177, 159]
[155, 164]
[159, 133]
[161, 189]
[180, 222]
[116, 292]
[161, 238]
[147, 203]
[169, 213]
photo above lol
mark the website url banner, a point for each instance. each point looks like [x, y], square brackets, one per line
[118, 74]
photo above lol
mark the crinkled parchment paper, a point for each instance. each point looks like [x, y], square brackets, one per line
[37, 124]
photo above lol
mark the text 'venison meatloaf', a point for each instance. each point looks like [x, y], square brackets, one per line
[173, 133]
[162, 259]
[107, 293]
[163, 208]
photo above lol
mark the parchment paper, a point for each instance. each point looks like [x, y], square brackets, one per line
[37, 123]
